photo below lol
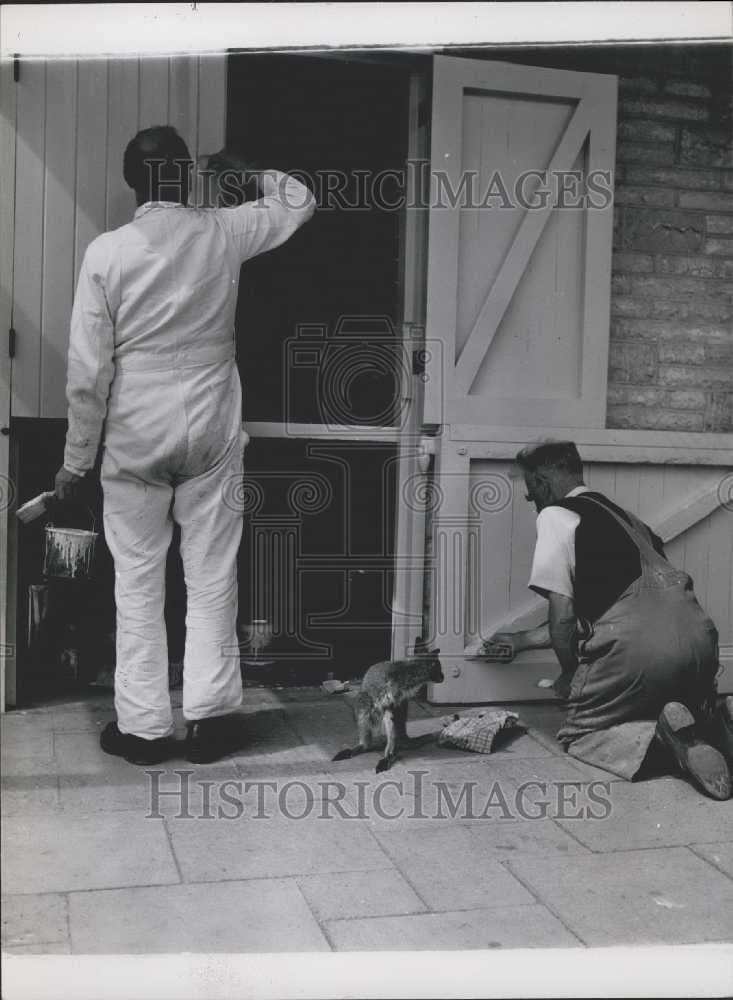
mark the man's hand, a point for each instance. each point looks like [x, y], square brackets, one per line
[502, 646]
[67, 484]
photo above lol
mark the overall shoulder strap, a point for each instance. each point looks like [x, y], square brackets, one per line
[636, 530]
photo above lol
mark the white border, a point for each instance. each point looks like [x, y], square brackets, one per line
[126, 28]
[679, 971]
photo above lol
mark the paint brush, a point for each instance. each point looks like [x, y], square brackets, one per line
[35, 508]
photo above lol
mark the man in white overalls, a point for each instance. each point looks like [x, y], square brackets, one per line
[151, 358]
[638, 655]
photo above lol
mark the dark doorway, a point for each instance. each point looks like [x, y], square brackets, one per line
[318, 342]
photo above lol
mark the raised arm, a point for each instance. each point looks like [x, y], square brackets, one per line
[258, 226]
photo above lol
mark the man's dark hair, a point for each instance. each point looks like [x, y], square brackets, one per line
[557, 456]
[157, 165]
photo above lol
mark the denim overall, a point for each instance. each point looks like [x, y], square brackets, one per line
[654, 645]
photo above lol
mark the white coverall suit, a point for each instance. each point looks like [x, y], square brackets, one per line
[151, 352]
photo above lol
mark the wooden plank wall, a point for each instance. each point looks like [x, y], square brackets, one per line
[658, 494]
[74, 119]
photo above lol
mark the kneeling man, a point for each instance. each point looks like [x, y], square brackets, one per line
[638, 654]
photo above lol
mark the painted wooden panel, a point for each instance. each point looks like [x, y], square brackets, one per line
[518, 275]
[183, 99]
[74, 120]
[28, 270]
[58, 231]
[153, 92]
[684, 505]
[122, 124]
[91, 161]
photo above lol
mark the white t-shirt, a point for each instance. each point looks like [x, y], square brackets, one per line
[553, 565]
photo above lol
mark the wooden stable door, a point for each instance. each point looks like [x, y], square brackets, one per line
[521, 220]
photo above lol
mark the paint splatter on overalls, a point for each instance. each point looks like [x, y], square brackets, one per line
[654, 645]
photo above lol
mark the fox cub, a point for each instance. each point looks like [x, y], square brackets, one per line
[383, 699]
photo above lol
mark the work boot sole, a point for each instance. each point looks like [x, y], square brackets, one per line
[701, 762]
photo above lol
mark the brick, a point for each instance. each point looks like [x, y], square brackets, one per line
[721, 353]
[719, 412]
[681, 352]
[674, 177]
[637, 263]
[645, 131]
[639, 85]
[624, 304]
[696, 267]
[669, 288]
[719, 245]
[649, 418]
[719, 201]
[676, 399]
[685, 110]
[656, 329]
[661, 229]
[686, 88]
[638, 152]
[707, 147]
[648, 196]
[719, 225]
[629, 362]
[696, 377]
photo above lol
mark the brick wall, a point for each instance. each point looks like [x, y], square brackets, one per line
[671, 353]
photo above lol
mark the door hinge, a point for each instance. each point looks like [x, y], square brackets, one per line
[16, 68]
[419, 360]
[11, 343]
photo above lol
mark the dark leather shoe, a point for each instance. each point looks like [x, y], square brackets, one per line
[719, 731]
[702, 763]
[208, 740]
[134, 749]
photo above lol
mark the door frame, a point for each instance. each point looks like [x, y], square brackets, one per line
[8, 597]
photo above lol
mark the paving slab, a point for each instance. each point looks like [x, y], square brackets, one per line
[92, 718]
[720, 855]
[260, 916]
[338, 895]
[19, 723]
[506, 927]
[324, 727]
[450, 869]
[65, 852]
[54, 948]
[272, 847]
[170, 789]
[34, 920]
[655, 813]
[28, 753]
[660, 896]
[485, 792]
[30, 796]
